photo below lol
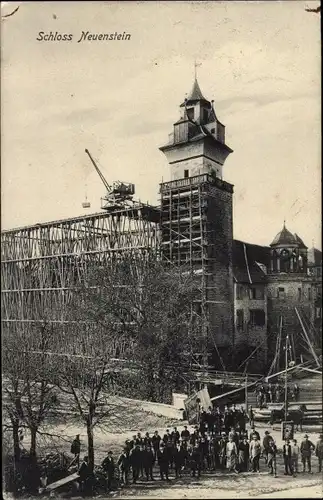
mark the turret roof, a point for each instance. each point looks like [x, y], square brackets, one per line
[285, 237]
[196, 94]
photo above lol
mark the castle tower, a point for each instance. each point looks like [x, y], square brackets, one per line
[197, 219]
[197, 144]
[291, 292]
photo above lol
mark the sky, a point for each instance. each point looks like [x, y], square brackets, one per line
[260, 62]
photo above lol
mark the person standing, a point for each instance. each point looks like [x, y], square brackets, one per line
[185, 434]
[319, 451]
[195, 461]
[265, 444]
[287, 455]
[222, 448]
[179, 458]
[124, 465]
[134, 459]
[231, 454]
[295, 455]
[84, 476]
[272, 457]
[76, 449]
[148, 461]
[251, 416]
[163, 462]
[270, 393]
[296, 392]
[307, 447]
[243, 451]
[175, 436]
[155, 441]
[108, 467]
[255, 452]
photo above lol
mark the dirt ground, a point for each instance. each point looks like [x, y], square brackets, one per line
[210, 485]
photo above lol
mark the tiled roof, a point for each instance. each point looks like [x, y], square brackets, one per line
[246, 259]
[284, 237]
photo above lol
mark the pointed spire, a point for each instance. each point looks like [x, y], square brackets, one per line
[196, 93]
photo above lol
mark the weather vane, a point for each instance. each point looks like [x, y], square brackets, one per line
[196, 65]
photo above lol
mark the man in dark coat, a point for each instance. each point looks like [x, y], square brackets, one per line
[319, 451]
[108, 467]
[243, 455]
[306, 453]
[147, 439]
[84, 476]
[185, 434]
[179, 458]
[76, 449]
[148, 461]
[163, 462]
[195, 461]
[222, 450]
[175, 436]
[265, 444]
[135, 462]
[287, 455]
[155, 441]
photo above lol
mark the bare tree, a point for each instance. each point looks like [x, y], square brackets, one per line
[152, 309]
[30, 394]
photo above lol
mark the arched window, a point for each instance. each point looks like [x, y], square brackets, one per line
[284, 261]
[275, 261]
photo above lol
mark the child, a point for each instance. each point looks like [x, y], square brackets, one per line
[294, 456]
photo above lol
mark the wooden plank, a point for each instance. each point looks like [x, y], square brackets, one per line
[62, 482]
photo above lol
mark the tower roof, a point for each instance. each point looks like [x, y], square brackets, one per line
[196, 94]
[285, 237]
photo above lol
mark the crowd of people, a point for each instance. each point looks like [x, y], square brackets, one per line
[275, 393]
[219, 442]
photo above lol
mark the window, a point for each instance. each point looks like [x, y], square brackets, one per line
[281, 293]
[240, 319]
[299, 293]
[256, 293]
[205, 115]
[240, 291]
[212, 130]
[185, 174]
[318, 312]
[257, 317]
[309, 294]
[190, 114]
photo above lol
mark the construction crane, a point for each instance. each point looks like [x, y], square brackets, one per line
[117, 194]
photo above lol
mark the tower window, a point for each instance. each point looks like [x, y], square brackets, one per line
[212, 130]
[240, 319]
[309, 294]
[190, 114]
[185, 174]
[281, 293]
[299, 294]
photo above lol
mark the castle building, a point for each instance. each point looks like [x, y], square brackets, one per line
[251, 296]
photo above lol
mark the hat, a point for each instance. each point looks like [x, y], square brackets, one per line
[222, 433]
[267, 432]
[306, 436]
